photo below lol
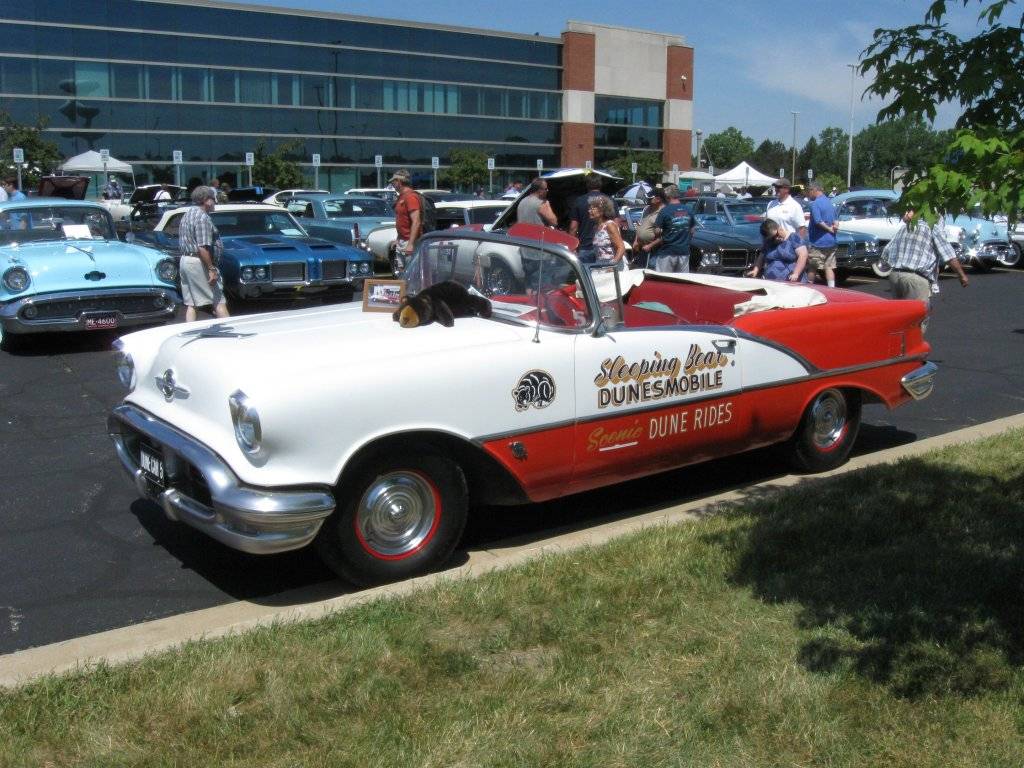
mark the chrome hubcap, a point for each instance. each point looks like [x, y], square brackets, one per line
[397, 513]
[498, 282]
[828, 419]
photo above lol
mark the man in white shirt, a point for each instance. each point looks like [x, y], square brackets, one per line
[787, 212]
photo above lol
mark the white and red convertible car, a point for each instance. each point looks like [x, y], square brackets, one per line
[271, 432]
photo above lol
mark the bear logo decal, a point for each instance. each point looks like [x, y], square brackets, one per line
[536, 388]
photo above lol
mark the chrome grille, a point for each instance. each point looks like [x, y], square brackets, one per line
[737, 259]
[71, 308]
[335, 270]
[287, 272]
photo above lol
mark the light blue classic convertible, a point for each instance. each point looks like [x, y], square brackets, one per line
[62, 268]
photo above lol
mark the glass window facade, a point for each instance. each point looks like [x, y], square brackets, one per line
[144, 78]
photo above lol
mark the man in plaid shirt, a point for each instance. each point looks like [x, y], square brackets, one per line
[916, 255]
[201, 284]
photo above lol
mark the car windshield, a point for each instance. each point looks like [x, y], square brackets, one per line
[485, 214]
[865, 209]
[340, 207]
[23, 225]
[743, 210]
[256, 223]
[525, 284]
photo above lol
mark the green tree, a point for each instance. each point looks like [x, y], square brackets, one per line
[916, 68]
[728, 148]
[770, 156]
[907, 142]
[829, 180]
[829, 153]
[42, 156]
[277, 168]
[650, 167]
[467, 168]
[805, 159]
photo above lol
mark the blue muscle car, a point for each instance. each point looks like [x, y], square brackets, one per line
[266, 251]
[63, 269]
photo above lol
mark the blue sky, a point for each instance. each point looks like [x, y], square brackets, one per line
[755, 60]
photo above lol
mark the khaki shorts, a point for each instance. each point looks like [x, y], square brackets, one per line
[821, 258]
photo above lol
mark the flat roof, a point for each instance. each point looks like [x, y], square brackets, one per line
[351, 17]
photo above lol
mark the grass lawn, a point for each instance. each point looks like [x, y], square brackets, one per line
[874, 619]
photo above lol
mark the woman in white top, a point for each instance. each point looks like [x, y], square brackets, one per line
[608, 246]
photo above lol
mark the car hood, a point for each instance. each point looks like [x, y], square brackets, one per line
[63, 265]
[564, 186]
[735, 237]
[68, 187]
[265, 352]
[284, 248]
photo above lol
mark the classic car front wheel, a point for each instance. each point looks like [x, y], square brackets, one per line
[881, 268]
[827, 431]
[397, 517]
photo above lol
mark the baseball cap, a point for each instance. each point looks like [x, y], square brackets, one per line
[783, 182]
[402, 175]
[657, 194]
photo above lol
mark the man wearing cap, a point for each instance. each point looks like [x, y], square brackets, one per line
[787, 212]
[408, 219]
[112, 189]
[645, 235]
[673, 229]
[199, 243]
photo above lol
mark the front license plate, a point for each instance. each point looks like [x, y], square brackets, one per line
[152, 464]
[101, 322]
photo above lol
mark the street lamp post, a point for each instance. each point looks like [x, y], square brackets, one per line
[700, 135]
[849, 147]
[793, 174]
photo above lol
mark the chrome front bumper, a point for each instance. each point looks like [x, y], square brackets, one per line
[920, 381]
[202, 491]
[82, 305]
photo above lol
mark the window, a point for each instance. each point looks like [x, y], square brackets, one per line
[92, 79]
[127, 80]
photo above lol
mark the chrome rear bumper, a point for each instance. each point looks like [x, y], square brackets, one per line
[920, 381]
[202, 491]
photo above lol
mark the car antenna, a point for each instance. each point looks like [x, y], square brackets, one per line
[540, 282]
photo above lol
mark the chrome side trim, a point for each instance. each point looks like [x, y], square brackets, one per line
[259, 521]
[920, 382]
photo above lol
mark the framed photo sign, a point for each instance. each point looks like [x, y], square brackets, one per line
[382, 295]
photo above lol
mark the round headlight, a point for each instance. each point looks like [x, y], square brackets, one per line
[247, 273]
[261, 273]
[167, 270]
[365, 268]
[126, 370]
[710, 257]
[16, 279]
[246, 420]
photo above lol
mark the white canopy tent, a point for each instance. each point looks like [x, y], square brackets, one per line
[696, 176]
[744, 175]
[91, 162]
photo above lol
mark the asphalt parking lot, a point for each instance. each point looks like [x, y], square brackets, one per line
[81, 553]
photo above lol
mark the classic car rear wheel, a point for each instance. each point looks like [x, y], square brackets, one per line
[396, 518]
[827, 431]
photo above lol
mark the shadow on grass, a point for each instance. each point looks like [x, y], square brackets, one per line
[911, 575]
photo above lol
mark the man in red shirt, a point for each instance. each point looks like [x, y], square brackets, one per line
[408, 219]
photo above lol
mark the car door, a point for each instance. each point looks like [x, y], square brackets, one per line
[653, 397]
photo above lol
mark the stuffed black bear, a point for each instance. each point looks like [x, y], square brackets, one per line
[442, 302]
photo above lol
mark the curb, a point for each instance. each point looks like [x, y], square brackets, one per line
[130, 643]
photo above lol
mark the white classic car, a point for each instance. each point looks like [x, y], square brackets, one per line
[867, 212]
[268, 434]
